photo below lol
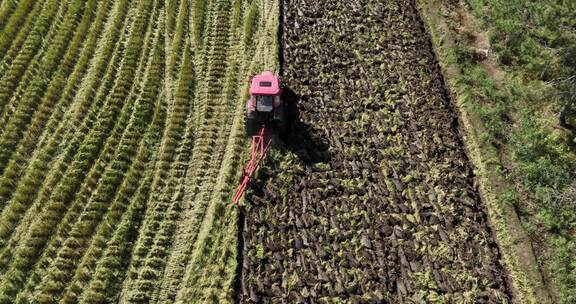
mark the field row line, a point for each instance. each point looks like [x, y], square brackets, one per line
[26, 64]
[21, 161]
[12, 213]
[45, 88]
[161, 183]
[42, 163]
[153, 264]
[206, 181]
[88, 151]
[214, 252]
[104, 207]
[11, 40]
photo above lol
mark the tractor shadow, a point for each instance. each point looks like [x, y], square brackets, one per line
[303, 139]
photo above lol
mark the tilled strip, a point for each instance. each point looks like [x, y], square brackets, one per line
[374, 199]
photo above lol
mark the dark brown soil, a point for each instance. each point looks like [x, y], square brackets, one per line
[374, 199]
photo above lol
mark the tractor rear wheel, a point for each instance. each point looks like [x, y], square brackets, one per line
[250, 126]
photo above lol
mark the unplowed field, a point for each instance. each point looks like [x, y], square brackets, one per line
[120, 136]
[373, 199]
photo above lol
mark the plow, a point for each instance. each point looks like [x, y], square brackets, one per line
[264, 116]
[260, 144]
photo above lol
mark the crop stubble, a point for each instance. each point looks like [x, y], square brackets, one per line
[120, 138]
[390, 210]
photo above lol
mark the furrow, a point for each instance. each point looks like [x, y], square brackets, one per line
[373, 199]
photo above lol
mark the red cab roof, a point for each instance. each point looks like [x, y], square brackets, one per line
[265, 84]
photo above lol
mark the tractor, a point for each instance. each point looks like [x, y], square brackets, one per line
[265, 114]
[265, 107]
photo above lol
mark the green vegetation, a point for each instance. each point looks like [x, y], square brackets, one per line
[536, 42]
[120, 140]
[526, 101]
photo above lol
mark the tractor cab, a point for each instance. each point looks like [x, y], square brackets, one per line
[265, 107]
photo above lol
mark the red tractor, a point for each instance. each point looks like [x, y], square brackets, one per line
[265, 107]
[265, 114]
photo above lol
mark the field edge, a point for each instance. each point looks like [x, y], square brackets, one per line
[527, 284]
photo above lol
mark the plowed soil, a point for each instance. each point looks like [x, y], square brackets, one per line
[374, 199]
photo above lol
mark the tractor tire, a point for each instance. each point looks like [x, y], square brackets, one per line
[250, 126]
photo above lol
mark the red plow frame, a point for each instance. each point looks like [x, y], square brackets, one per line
[259, 147]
